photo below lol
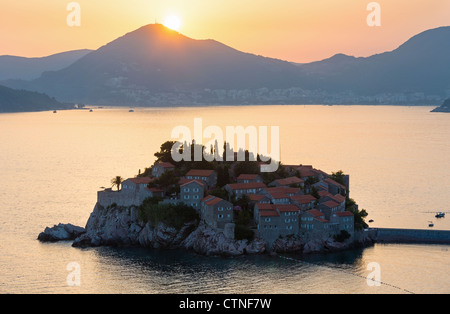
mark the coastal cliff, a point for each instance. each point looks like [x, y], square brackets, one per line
[120, 226]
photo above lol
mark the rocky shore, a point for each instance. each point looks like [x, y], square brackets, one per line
[120, 226]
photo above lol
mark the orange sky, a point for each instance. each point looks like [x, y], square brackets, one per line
[293, 30]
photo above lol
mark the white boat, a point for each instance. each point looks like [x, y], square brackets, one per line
[440, 215]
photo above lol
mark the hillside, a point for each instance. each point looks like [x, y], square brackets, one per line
[20, 100]
[445, 107]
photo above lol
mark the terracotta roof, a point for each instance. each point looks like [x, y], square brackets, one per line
[142, 180]
[189, 181]
[288, 208]
[244, 176]
[331, 204]
[282, 189]
[213, 200]
[256, 197]
[264, 207]
[316, 213]
[344, 214]
[331, 181]
[303, 199]
[200, 173]
[244, 186]
[324, 193]
[289, 181]
[268, 213]
[339, 198]
[321, 220]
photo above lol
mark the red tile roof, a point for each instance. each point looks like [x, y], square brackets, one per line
[278, 195]
[268, 213]
[142, 180]
[331, 204]
[189, 181]
[283, 189]
[247, 176]
[212, 200]
[244, 186]
[316, 213]
[200, 173]
[338, 198]
[289, 181]
[331, 181]
[321, 220]
[256, 197]
[303, 199]
[288, 208]
[263, 207]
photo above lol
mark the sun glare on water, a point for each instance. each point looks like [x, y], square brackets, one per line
[173, 22]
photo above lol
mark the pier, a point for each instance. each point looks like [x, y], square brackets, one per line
[393, 235]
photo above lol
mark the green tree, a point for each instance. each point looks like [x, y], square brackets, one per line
[359, 215]
[164, 155]
[117, 182]
[338, 177]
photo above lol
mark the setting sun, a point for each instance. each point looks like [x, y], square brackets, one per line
[173, 22]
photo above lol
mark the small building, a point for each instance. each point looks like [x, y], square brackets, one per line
[335, 187]
[345, 221]
[207, 176]
[239, 189]
[258, 199]
[216, 212]
[249, 178]
[313, 225]
[260, 208]
[336, 198]
[134, 184]
[159, 168]
[329, 208]
[305, 202]
[192, 192]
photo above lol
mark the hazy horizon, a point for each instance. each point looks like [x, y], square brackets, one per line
[294, 31]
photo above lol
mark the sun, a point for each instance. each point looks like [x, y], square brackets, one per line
[173, 22]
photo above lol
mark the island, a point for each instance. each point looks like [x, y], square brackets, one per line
[225, 208]
[445, 107]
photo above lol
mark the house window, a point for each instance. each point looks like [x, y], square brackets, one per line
[195, 189]
[220, 216]
[186, 197]
[220, 209]
[195, 197]
[267, 219]
[287, 220]
[186, 190]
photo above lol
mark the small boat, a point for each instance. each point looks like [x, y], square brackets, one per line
[54, 111]
[440, 215]
[431, 224]
[371, 220]
[131, 110]
[91, 110]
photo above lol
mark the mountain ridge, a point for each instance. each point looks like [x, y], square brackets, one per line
[154, 65]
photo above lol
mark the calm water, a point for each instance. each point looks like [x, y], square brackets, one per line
[53, 164]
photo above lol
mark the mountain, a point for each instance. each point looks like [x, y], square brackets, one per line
[155, 59]
[156, 66]
[445, 107]
[419, 65]
[12, 67]
[12, 100]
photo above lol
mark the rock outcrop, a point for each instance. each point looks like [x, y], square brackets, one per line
[61, 232]
[120, 226]
[445, 107]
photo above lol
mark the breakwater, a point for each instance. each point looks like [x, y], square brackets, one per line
[393, 235]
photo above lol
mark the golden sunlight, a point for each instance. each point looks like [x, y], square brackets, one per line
[173, 22]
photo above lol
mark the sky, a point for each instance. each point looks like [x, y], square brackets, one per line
[293, 30]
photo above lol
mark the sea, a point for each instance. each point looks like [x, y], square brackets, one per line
[53, 164]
